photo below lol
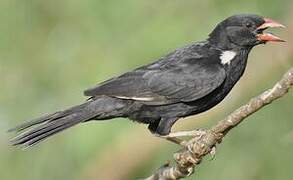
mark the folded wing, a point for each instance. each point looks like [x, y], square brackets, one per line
[183, 82]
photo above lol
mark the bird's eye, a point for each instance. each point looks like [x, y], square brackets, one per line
[248, 25]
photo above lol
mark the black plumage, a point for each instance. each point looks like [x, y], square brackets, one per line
[185, 82]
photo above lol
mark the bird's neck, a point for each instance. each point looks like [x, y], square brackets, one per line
[237, 66]
[219, 39]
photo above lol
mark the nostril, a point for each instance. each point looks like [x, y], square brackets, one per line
[259, 31]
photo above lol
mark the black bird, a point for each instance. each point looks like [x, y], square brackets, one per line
[187, 81]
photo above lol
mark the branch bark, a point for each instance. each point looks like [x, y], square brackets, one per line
[205, 141]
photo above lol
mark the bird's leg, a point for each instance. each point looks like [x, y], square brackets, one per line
[173, 137]
[193, 133]
[164, 127]
[175, 140]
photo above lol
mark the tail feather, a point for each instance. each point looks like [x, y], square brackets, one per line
[35, 136]
[33, 122]
[35, 131]
[44, 135]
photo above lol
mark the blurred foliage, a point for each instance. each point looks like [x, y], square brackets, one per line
[50, 51]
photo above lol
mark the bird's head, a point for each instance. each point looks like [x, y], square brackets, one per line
[243, 31]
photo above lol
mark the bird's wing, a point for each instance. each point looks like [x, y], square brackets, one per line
[184, 82]
[130, 85]
[187, 82]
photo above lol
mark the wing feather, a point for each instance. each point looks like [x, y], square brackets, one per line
[185, 75]
[187, 83]
[181, 83]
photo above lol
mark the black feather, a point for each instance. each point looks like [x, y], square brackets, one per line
[187, 81]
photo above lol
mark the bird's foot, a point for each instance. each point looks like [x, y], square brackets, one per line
[193, 133]
[175, 140]
[174, 137]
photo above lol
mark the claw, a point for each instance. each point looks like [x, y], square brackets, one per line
[213, 153]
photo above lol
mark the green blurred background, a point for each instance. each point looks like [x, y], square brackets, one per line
[50, 51]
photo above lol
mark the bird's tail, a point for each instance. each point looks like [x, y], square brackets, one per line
[37, 130]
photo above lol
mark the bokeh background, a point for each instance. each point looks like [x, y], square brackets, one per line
[50, 51]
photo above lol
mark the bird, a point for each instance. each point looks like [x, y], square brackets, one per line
[187, 81]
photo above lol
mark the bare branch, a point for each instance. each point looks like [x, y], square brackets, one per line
[205, 141]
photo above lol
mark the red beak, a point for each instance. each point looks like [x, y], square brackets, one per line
[265, 37]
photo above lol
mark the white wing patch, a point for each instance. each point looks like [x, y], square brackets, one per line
[136, 98]
[227, 56]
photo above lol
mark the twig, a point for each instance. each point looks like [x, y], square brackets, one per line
[197, 147]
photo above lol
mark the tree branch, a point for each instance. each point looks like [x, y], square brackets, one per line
[205, 141]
